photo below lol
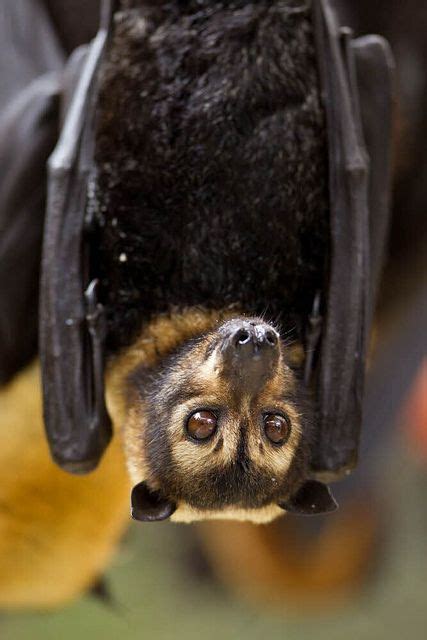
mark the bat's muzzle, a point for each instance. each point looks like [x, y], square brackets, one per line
[251, 353]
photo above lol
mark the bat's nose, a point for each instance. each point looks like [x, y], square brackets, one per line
[251, 340]
[250, 351]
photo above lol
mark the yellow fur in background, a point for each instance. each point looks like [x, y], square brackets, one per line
[57, 531]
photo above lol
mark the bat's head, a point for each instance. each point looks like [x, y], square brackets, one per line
[218, 430]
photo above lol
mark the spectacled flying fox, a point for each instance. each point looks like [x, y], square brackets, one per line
[211, 201]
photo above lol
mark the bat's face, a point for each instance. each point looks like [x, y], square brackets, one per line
[218, 431]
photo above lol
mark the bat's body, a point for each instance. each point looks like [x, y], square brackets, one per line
[211, 157]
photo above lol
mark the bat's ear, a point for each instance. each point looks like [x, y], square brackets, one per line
[149, 505]
[311, 499]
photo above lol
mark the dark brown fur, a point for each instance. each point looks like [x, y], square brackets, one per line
[211, 183]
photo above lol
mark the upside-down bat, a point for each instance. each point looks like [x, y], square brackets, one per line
[210, 193]
[191, 236]
[188, 244]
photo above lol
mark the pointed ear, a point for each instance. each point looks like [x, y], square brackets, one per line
[311, 499]
[149, 505]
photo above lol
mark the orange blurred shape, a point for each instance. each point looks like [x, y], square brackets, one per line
[277, 566]
[414, 415]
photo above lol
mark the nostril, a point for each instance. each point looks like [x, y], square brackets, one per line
[242, 337]
[271, 338]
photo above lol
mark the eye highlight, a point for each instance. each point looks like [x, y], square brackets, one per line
[277, 428]
[201, 425]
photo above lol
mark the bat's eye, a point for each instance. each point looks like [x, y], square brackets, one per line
[277, 428]
[201, 425]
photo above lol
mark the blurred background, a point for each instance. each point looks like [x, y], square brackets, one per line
[361, 572]
[161, 586]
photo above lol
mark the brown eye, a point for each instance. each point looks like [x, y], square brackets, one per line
[277, 428]
[201, 425]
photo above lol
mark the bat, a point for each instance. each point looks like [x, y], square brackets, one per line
[192, 318]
